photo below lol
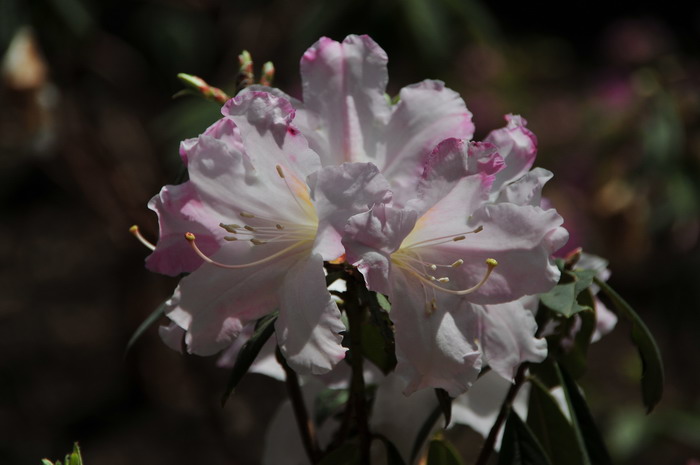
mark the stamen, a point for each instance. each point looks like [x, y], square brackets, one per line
[444, 239]
[247, 215]
[457, 263]
[279, 171]
[134, 230]
[444, 279]
[232, 228]
[279, 226]
[249, 228]
[257, 241]
[192, 240]
[230, 238]
[490, 263]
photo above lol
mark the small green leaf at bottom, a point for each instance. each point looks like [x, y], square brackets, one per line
[519, 445]
[442, 452]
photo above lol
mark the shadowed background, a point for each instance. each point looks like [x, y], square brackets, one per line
[89, 132]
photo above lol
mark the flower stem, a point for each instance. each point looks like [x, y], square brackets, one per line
[490, 442]
[356, 313]
[306, 426]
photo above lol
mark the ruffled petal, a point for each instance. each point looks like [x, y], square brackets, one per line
[527, 190]
[370, 239]
[518, 147]
[213, 304]
[507, 335]
[309, 326]
[339, 192]
[426, 114]
[434, 345]
[345, 111]
[179, 210]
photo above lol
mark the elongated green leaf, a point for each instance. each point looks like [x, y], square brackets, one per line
[445, 402]
[442, 452]
[652, 366]
[575, 359]
[347, 454]
[551, 427]
[145, 324]
[597, 451]
[424, 432]
[393, 456]
[250, 350]
[520, 446]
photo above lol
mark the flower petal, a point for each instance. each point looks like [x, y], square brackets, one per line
[518, 147]
[179, 210]
[344, 105]
[527, 190]
[426, 114]
[433, 349]
[370, 239]
[213, 305]
[309, 326]
[507, 335]
[339, 192]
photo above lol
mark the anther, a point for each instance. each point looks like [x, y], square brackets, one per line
[478, 229]
[279, 226]
[459, 238]
[230, 227]
[444, 279]
[247, 215]
[433, 267]
[230, 238]
[258, 242]
[457, 263]
[134, 230]
[249, 228]
[279, 171]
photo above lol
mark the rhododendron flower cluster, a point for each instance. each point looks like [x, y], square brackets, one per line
[449, 229]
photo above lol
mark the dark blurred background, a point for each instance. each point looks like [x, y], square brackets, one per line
[89, 132]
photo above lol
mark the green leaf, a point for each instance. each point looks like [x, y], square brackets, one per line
[445, 402]
[250, 350]
[575, 360]
[46, 462]
[652, 366]
[424, 432]
[145, 324]
[597, 451]
[551, 427]
[378, 335]
[383, 302]
[393, 456]
[520, 446]
[347, 454]
[563, 298]
[328, 402]
[442, 452]
[75, 458]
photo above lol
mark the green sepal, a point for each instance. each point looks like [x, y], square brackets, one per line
[519, 445]
[652, 367]
[264, 328]
[442, 452]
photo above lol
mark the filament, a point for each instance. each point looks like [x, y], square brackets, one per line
[134, 230]
[192, 240]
